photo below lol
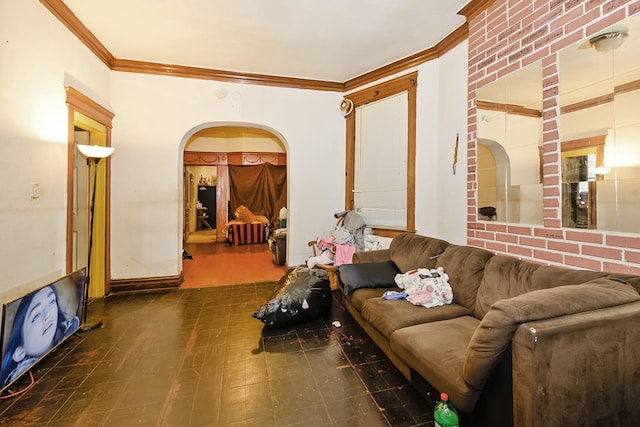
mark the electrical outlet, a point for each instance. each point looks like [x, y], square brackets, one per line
[35, 190]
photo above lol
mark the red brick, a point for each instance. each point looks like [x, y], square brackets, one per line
[563, 247]
[548, 234]
[565, 19]
[485, 235]
[606, 22]
[519, 250]
[584, 236]
[587, 263]
[509, 238]
[552, 223]
[526, 231]
[602, 252]
[624, 242]
[532, 241]
[497, 227]
[475, 242]
[548, 256]
[498, 247]
[630, 256]
[610, 267]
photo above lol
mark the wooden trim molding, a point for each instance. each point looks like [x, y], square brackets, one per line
[448, 43]
[132, 66]
[152, 283]
[508, 108]
[71, 21]
[407, 83]
[474, 8]
[77, 28]
[88, 107]
[205, 158]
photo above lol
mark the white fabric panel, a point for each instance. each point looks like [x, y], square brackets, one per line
[380, 181]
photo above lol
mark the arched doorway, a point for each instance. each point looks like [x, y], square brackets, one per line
[212, 154]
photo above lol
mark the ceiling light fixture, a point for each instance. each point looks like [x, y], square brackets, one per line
[608, 41]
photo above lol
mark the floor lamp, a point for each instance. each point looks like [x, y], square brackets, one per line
[93, 153]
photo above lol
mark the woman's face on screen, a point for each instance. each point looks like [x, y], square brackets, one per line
[40, 324]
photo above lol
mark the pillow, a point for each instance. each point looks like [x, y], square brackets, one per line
[367, 275]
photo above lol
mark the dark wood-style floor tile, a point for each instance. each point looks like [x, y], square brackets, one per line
[197, 358]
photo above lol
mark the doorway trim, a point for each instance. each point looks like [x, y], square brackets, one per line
[80, 103]
[207, 125]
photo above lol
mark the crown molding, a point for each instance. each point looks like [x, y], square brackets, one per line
[453, 39]
[69, 20]
[474, 8]
[77, 28]
[132, 66]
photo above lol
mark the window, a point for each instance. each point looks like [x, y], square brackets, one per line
[380, 183]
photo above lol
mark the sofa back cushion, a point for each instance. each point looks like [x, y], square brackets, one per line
[465, 267]
[507, 277]
[493, 336]
[411, 251]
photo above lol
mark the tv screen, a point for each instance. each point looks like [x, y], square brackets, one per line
[36, 323]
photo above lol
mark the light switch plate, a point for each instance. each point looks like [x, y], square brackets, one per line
[35, 190]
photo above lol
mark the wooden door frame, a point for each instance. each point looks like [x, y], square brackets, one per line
[79, 103]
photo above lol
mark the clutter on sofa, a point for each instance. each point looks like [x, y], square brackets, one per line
[519, 344]
[337, 246]
[301, 295]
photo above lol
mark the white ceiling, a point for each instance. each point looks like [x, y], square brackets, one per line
[330, 40]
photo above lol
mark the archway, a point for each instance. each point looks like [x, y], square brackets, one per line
[493, 173]
[208, 153]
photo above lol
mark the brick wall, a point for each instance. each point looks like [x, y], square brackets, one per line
[512, 34]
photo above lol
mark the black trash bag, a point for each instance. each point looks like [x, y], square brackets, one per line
[301, 295]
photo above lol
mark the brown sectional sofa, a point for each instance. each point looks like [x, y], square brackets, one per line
[522, 344]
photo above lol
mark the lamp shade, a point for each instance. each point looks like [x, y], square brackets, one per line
[95, 151]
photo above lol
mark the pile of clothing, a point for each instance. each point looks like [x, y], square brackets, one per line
[428, 288]
[338, 245]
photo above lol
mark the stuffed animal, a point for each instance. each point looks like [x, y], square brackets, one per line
[243, 214]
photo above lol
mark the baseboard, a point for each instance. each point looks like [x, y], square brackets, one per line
[118, 285]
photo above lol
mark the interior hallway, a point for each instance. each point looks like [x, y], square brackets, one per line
[196, 357]
[216, 264]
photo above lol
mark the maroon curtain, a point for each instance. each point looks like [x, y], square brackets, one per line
[261, 188]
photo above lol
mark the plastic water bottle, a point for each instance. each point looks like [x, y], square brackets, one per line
[444, 414]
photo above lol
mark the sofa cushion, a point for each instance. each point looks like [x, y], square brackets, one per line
[507, 277]
[465, 267]
[496, 329]
[412, 251]
[367, 275]
[436, 351]
[358, 297]
[389, 315]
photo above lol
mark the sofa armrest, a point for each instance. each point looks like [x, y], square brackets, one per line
[371, 256]
[495, 332]
[585, 365]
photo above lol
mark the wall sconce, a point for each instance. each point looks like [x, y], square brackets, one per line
[93, 153]
[608, 41]
[346, 106]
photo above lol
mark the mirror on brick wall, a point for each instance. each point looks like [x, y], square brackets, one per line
[509, 139]
[600, 130]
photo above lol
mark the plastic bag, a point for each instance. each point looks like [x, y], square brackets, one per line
[301, 295]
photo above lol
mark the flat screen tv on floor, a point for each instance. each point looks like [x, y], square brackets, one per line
[38, 322]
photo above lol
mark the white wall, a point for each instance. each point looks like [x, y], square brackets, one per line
[155, 115]
[38, 57]
[441, 198]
